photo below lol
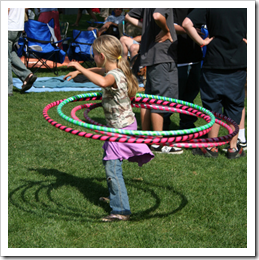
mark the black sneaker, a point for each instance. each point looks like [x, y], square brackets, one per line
[233, 153]
[166, 149]
[213, 152]
[242, 144]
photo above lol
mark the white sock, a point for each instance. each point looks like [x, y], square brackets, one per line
[241, 135]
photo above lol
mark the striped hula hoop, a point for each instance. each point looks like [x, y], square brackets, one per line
[218, 140]
[169, 101]
[186, 141]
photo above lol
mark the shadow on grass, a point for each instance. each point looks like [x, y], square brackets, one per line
[90, 188]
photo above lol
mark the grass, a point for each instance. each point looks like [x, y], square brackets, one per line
[55, 180]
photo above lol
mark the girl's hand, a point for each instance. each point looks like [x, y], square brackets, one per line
[71, 75]
[74, 64]
[245, 40]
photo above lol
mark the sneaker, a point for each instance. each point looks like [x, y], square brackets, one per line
[165, 149]
[233, 153]
[226, 149]
[242, 144]
[213, 152]
[116, 217]
[239, 143]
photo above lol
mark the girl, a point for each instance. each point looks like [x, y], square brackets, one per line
[114, 76]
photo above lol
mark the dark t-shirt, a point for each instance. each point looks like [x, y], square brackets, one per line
[152, 53]
[187, 50]
[229, 26]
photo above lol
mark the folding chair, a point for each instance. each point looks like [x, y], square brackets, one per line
[80, 47]
[40, 42]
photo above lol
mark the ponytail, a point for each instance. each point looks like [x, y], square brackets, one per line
[132, 81]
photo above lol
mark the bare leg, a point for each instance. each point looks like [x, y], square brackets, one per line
[242, 122]
[126, 43]
[134, 48]
[89, 10]
[79, 15]
[214, 132]
[233, 141]
[145, 119]
[157, 121]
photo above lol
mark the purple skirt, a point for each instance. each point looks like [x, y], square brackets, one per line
[132, 152]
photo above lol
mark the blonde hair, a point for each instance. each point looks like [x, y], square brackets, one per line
[111, 48]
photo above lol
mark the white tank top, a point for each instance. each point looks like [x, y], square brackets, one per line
[16, 19]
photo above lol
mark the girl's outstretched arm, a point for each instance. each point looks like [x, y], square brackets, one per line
[73, 74]
[95, 75]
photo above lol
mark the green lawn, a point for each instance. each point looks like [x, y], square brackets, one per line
[55, 179]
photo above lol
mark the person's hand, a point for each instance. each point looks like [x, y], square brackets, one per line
[71, 75]
[245, 40]
[207, 41]
[74, 64]
[163, 36]
[90, 28]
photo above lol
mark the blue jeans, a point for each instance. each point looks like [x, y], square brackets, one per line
[14, 62]
[119, 201]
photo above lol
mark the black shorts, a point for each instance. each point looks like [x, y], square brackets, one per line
[223, 91]
[162, 80]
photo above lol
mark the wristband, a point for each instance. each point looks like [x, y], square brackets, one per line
[202, 45]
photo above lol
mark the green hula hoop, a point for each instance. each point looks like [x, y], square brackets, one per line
[98, 95]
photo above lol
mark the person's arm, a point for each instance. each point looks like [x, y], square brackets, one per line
[73, 74]
[179, 29]
[194, 35]
[133, 21]
[94, 77]
[165, 32]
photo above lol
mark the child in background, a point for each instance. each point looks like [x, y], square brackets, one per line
[114, 76]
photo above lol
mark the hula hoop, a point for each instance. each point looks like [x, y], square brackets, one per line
[221, 140]
[137, 132]
[172, 139]
[206, 142]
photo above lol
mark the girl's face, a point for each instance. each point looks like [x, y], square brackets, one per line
[98, 58]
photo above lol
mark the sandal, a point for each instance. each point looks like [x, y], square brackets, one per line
[116, 217]
[104, 199]
[27, 84]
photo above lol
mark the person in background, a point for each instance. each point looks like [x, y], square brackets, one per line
[16, 18]
[189, 66]
[158, 52]
[224, 68]
[110, 24]
[45, 15]
[79, 15]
